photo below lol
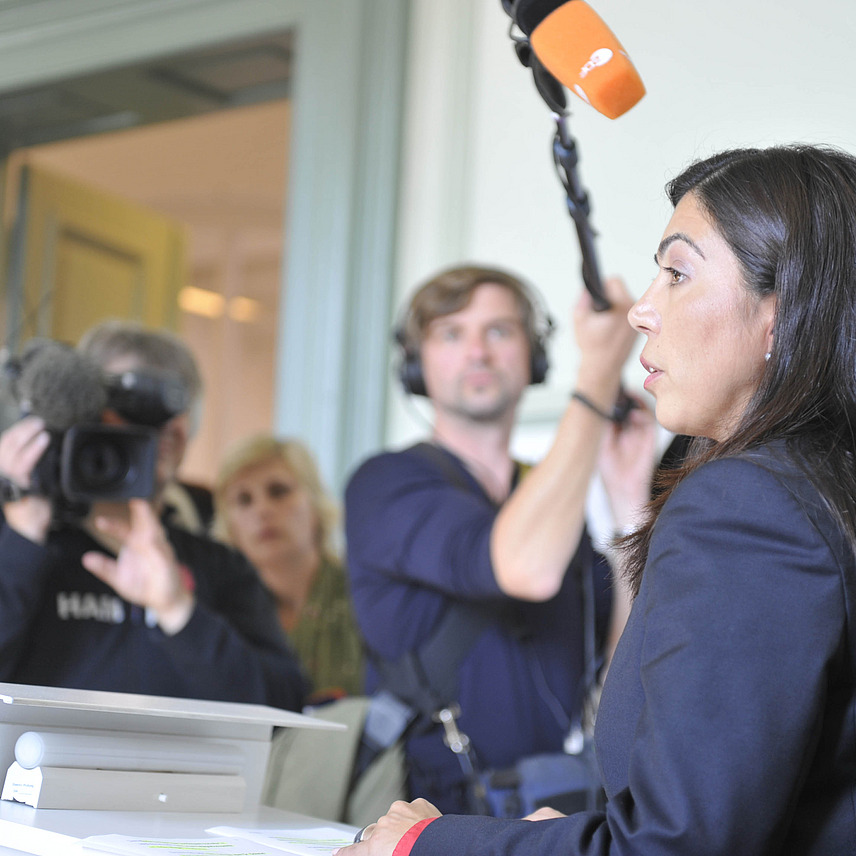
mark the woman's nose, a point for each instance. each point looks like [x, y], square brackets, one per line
[642, 315]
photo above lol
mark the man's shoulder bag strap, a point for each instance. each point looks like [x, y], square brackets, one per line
[422, 681]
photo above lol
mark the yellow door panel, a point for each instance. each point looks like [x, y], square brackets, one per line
[91, 280]
[89, 255]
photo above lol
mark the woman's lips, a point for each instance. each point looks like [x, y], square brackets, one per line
[653, 373]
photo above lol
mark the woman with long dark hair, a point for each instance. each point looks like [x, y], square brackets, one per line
[727, 723]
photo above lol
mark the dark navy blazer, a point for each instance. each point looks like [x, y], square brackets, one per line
[727, 724]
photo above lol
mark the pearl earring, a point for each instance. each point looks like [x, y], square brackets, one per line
[767, 355]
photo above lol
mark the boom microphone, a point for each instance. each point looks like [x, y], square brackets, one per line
[572, 42]
[567, 44]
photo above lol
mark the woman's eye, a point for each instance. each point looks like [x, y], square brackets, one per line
[278, 490]
[675, 276]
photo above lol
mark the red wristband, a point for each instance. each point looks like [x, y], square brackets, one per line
[406, 842]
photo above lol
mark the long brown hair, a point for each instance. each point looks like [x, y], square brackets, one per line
[788, 213]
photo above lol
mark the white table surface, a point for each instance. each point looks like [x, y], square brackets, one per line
[55, 832]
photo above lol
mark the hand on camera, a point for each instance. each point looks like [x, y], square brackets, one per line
[21, 446]
[146, 571]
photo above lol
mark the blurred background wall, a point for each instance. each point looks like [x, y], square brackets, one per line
[318, 181]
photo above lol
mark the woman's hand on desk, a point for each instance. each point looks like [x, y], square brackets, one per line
[381, 838]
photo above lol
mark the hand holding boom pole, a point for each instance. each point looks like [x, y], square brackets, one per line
[566, 158]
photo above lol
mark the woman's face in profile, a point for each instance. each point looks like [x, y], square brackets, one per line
[707, 335]
[269, 514]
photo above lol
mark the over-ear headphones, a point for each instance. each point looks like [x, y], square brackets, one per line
[409, 365]
[540, 325]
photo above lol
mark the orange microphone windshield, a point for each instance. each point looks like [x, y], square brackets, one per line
[581, 52]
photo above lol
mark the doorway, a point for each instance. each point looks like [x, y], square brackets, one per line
[347, 98]
[219, 171]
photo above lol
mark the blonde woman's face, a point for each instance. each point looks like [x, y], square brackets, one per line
[269, 514]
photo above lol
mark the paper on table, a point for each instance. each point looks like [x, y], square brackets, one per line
[129, 845]
[317, 841]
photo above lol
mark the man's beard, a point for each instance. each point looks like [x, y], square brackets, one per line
[485, 412]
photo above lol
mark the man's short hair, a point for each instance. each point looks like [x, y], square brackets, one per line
[452, 289]
[155, 349]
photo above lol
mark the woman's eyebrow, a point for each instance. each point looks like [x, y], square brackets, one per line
[677, 236]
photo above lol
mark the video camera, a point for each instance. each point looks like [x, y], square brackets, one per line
[88, 460]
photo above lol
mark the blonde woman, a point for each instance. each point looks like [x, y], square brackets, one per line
[270, 503]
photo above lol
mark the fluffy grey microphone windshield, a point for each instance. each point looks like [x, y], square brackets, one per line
[60, 385]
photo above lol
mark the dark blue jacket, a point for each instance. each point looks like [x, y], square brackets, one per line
[61, 626]
[727, 725]
[418, 543]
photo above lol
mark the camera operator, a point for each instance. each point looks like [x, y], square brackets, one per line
[115, 600]
[125, 346]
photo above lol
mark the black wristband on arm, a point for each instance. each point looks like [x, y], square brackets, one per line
[617, 415]
[11, 491]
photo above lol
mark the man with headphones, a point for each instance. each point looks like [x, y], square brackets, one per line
[447, 534]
